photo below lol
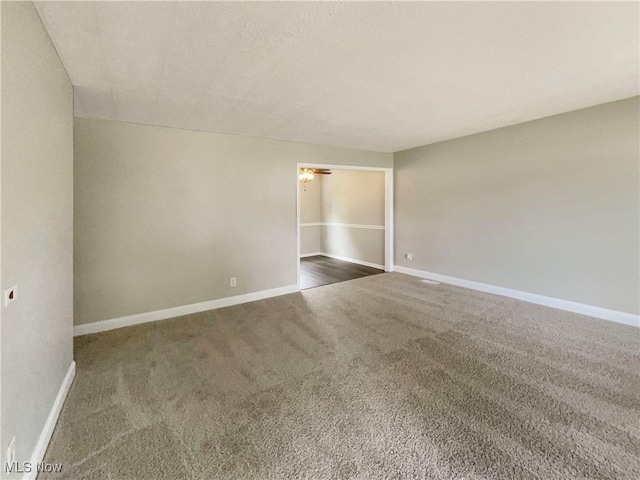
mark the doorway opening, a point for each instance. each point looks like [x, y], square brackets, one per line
[345, 223]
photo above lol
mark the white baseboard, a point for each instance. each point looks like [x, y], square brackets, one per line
[345, 259]
[129, 320]
[352, 260]
[314, 254]
[575, 307]
[45, 435]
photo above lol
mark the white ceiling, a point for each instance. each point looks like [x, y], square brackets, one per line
[375, 76]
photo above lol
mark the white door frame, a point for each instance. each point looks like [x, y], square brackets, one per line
[388, 209]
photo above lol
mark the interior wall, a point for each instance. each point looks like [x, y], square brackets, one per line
[310, 214]
[550, 207]
[353, 215]
[164, 217]
[37, 226]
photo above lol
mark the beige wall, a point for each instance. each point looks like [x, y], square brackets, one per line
[37, 215]
[363, 244]
[550, 207]
[353, 197]
[310, 212]
[163, 217]
[310, 239]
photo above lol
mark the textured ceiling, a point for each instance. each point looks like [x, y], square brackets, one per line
[376, 76]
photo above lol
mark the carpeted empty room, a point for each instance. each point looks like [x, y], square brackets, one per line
[328, 240]
[381, 377]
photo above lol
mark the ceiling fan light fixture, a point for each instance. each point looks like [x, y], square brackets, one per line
[306, 175]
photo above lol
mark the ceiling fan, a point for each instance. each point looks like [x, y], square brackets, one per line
[306, 174]
[315, 171]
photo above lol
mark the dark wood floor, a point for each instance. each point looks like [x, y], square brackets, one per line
[319, 270]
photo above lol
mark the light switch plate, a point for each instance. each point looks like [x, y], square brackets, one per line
[11, 451]
[10, 295]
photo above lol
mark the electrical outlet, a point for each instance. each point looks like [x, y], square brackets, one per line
[232, 282]
[11, 451]
[408, 256]
[10, 295]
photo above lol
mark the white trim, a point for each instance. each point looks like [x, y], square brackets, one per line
[388, 210]
[340, 167]
[388, 220]
[349, 225]
[138, 318]
[569, 306]
[47, 430]
[314, 254]
[352, 260]
[298, 240]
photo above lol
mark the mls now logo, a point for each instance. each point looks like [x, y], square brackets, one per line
[28, 467]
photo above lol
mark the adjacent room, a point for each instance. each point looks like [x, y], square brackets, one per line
[342, 225]
[320, 240]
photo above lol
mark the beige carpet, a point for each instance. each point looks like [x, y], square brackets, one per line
[380, 377]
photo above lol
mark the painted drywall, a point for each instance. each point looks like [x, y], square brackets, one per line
[310, 239]
[310, 213]
[37, 224]
[352, 201]
[550, 207]
[353, 196]
[379, 76]
[365, 245]
[164, 217]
